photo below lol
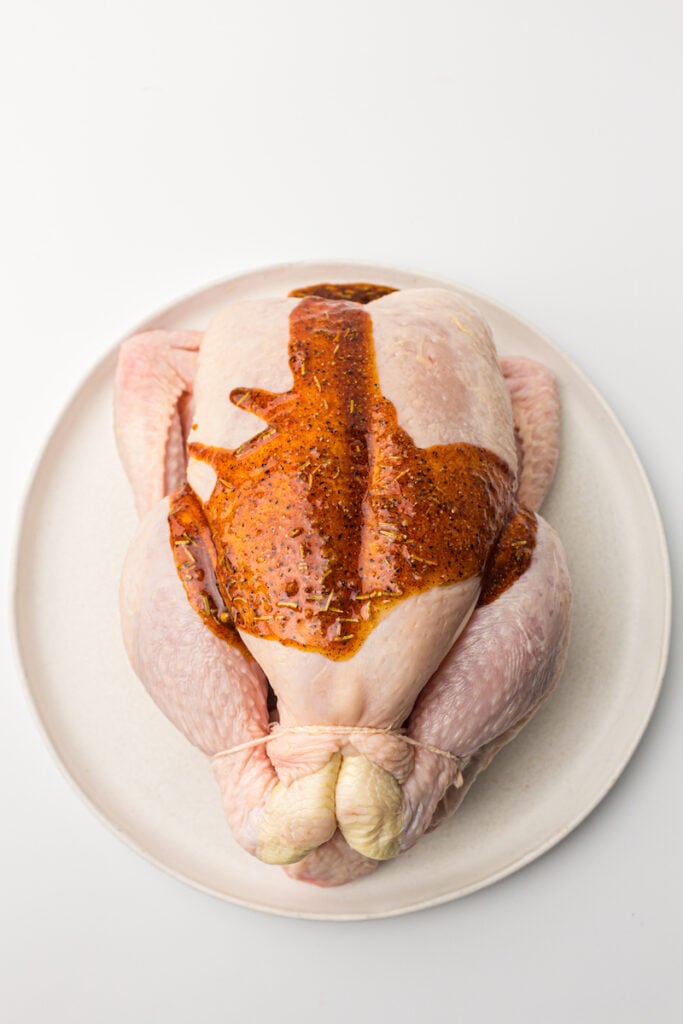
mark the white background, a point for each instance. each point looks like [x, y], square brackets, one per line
[529, 150]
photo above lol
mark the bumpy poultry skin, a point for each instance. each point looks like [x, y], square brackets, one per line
[436, 364]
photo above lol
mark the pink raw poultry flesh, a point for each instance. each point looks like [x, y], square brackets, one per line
[363, 551]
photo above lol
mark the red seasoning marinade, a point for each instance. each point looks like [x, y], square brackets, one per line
[331, 515]
[195, 558]
[358, 291]
[511, 556]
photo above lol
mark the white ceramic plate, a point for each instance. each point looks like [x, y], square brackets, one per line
[157, 792]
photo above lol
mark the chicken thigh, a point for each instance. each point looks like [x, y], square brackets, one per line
[344, 604]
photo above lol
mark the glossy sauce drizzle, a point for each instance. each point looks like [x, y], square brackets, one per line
[323, 521]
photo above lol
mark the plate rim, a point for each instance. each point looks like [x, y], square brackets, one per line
[538, 850]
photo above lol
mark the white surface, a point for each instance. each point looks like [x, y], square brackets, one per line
[162, 797]
[529, 150]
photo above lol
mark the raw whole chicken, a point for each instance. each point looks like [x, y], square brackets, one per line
[340, 589]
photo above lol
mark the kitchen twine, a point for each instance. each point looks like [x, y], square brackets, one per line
[345, 730]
